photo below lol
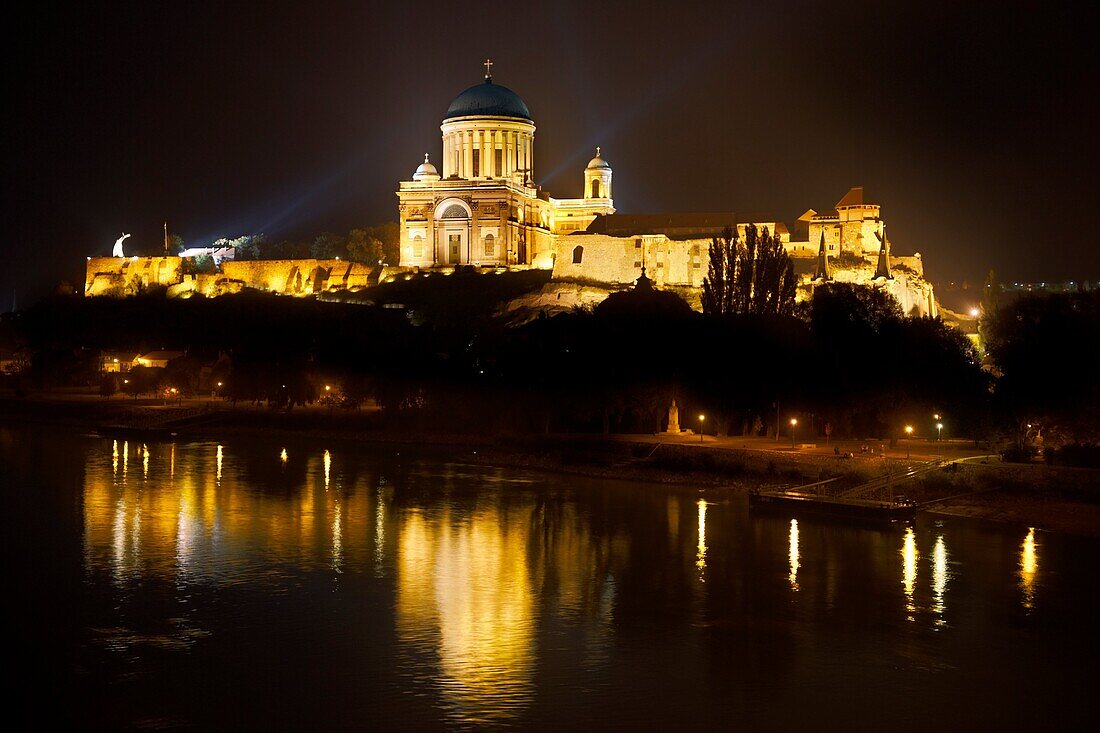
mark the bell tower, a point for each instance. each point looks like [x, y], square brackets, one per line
[597, 178]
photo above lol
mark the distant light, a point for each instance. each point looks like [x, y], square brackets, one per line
[702, 418]
[328, 388]
[974, 312]
[908, 429]
[794, 421]
[936, 416]
[939, 426]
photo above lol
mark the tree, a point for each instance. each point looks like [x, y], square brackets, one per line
[109, 385]
[327, 246]
[718, 288]
[990, 304]
[756, 278]
[364, 247]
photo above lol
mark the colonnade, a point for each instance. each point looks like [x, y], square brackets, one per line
[516, 147]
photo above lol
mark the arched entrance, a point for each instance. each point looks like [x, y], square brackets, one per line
[452, 230]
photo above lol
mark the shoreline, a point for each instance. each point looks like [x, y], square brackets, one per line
[1046, 498]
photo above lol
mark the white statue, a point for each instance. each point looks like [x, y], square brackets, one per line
[117, 251]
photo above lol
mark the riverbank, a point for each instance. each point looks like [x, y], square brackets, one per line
[1049, 498]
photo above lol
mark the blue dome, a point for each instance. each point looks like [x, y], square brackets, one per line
[488, 99]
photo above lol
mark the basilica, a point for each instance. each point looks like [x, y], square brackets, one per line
[486, 210]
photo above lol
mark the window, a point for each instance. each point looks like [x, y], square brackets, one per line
[595, 188]
[578, 254]
[498, 162]
[490, 245]
[477, 163]
[454, 211]
[418, 246]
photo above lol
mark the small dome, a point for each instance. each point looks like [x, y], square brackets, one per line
[488, 100]
[598, 162]
[426, 171]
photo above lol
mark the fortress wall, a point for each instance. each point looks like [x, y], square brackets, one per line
[298, 277]
[603, 258]
[120, 276]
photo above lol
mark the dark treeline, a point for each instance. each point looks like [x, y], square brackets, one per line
[847, 359]
[370, 245]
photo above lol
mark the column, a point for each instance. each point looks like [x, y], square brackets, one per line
[467, 153]
[446, 162]
[510, 152]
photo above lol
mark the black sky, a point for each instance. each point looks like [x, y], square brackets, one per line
[973, 124]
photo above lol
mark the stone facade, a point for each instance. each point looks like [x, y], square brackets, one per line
[119, 277]
[485, 209]
[124, 276]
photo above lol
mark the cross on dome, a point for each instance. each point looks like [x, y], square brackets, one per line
[597, 151]
[488, 73]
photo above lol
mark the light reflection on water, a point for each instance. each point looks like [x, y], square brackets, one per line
[1029, 568]
[491, 580]
[793, 555]
[909, 558]
[701, 550]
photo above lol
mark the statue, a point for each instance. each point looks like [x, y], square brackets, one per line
[673, 418]
[117, 252]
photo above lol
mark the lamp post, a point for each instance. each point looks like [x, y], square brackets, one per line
[794, 424]
[908, 439]
[939, 432]
[702, 418]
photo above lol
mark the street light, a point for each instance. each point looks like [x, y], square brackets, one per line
[908, 436]
[701, 419]
[794, 424]
[939, 431]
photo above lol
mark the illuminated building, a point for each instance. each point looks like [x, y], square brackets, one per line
[485, 208]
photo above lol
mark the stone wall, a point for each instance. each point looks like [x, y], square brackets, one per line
[121, 277]
[681, 265]
[124, 276]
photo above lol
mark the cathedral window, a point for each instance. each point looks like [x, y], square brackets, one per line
[490, 245]
[578, 254]
[418, 246]
[595, 188]
[454, 211]
[498, 162]
[477, 163]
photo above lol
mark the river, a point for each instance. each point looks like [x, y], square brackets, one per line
[265, 583]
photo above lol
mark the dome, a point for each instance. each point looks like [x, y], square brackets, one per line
[598, 162]
[488, 100]
[426, 171]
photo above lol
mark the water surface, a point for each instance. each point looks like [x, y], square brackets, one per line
[257, 583]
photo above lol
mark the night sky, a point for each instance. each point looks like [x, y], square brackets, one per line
[973, 124]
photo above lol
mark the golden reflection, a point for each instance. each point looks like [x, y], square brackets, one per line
[793, 576]
[1029, 566]
[145, 460]
[125, 455]
[114, 459]
[464, 591]
[939, 578]
[172, 462]
[337, 536]
[328, 465]
[379, 531]
[701, 551]
[283, 456]
[909, 569]
[218, 474]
